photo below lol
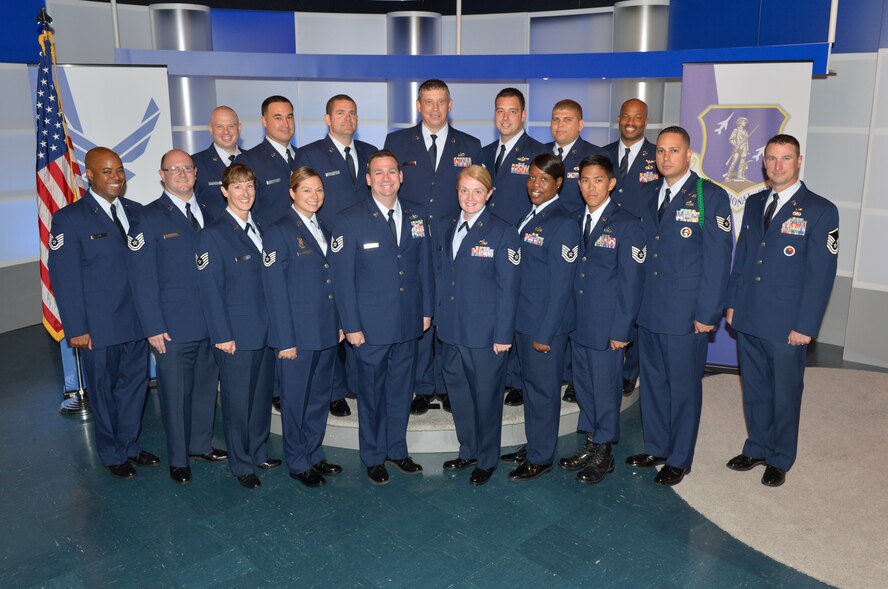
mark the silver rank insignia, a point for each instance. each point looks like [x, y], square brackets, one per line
[269, 258]
[832, 241]
[570, 253]
[515, 256]
[57, 241]
[639, 254]
[337, 244]
[724, 223]
[202, 260]
[135, 243]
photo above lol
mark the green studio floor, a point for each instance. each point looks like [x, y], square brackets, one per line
[67, 523]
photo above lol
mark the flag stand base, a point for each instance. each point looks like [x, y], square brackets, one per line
[76, 406]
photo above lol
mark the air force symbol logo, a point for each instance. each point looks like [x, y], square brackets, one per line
[56, 241]
[639, 255]
[135, 243]
[202, 260]
[832, 241]
[724, 223]
[269, 258]
[515, 256]
[337, 244]
[570, 253]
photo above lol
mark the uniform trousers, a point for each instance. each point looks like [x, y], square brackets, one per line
[474, 378]
[773, 380]
[630, 358]
[246, 379]
[306, 388]
[542, 395]
[117, 381]
[386, 375]
[187, 377]
[671, 393]
[428, 365]
[598, 384]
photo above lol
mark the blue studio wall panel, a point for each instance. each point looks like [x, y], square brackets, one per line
[860, 26]
[18, 31]
[255, 31]
[784, 22]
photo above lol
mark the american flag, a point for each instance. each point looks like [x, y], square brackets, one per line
[58, 175]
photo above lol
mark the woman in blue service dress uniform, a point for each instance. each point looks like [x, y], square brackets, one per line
[476, 268]
[304, 325]
[230, 260]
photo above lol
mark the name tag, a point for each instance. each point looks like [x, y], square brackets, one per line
[171, 235]
[333, 173]
[413, 163]
[302, 252]
[481, 251]
[219, 183]
[521, 168]
[242, 258]
[98, 235]
[370, 246]
[270, 182]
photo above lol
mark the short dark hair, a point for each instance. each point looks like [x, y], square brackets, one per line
[272, 100]
[511, 93]
[569, 104]
[380, 154]
[237, 173]
[598, 160]
[333, 99]
[550, 164]
[784, 139]
[432, 84]
[678, 131]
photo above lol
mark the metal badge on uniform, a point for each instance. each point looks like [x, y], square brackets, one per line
[794, 226]
[270, 182]
[607, 241]
[57, 241]
[687, 215]
[797, 213]
[369, 246]
[300, 242]
[481, 251]
[269, 258]
[462, 161]
[243, 258]
[171, 235]
[217, 183]
[333, 173]
[135, 243]
[417, 229]
[533, 238]
[789, 251]
[202, 260]
[570, 254]
[607, 229]
[410, 163]
[832, 241]
[98, 235]
[639, 255]
[514, 256]
[648, 176]
[685, 232]
[724, 223]
[337, 244]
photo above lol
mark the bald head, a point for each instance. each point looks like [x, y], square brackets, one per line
[105, 173]
[225, 128]
[632, 121]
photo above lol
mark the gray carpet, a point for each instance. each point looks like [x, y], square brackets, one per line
[830, 519]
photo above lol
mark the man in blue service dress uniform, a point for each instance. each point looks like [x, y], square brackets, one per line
[384, 291]
[88, 265]
[689, 243]
[608, 283]
[432, 154]
[783, 275]
[341, 160]
[225, 130]
[508, 161]
[635, 159]
[168, 301]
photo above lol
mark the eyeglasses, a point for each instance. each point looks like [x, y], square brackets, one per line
[177, 169]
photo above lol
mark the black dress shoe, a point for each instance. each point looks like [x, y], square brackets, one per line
[122, 471]
[516, 457]
[645, 460]
[214, 455]
[340, 408]
[406, 465]
[570, 395]
[459, 463]
[420, 404]
[743, 462]
[601, 464]
[670, 475]
[514, 397]
[480, 476]
[180, 474]
[269, 464]
[773, 477]
[325, 468]
[249, 481]
[527, 471]
[310, 478]
[445, 403]
[378, 475]
[628, 387]
[581, 458]
[145, 459]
